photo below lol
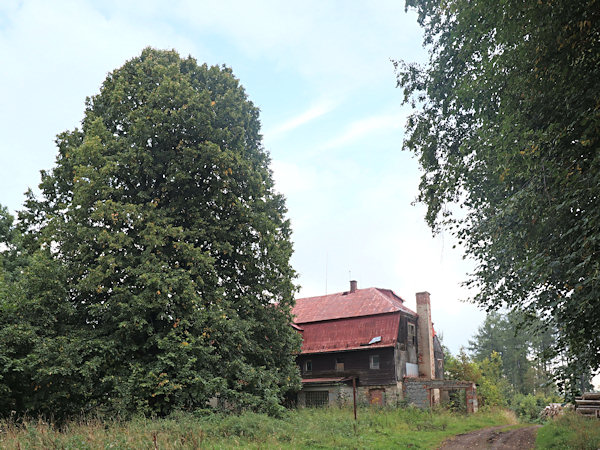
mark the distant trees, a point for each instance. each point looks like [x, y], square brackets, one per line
[521, 348]
[507, 359]
[158, 273]
[507, 129]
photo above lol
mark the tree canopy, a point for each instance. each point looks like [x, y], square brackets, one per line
[159, 274]
[506, 129]
[524, 361]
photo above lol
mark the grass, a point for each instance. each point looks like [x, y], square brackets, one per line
[304, 428]
[569, 431]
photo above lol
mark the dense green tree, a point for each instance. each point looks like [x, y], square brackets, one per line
[521, 344]
[12, 257]
[507, 128]
[160, 272]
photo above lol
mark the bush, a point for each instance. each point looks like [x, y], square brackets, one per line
[528, 407]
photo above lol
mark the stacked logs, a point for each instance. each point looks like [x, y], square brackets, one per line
[551, 411]
[588, 404]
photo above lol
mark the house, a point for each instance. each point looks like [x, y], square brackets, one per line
[367, 338]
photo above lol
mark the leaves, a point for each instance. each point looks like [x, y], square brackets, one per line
[161, 218]
[507, 126]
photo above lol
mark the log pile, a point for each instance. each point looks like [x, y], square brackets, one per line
[551, 411]
[588, 404]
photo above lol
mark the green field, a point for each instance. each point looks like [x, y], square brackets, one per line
[305, 428]
[570, 431]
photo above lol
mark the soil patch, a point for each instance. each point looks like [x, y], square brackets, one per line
[495, 438]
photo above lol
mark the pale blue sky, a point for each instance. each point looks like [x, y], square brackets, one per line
[332, 121]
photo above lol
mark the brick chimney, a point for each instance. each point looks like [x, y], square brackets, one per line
[353, 286]
[425, 336]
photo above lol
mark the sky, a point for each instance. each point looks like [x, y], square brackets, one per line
[332, 118]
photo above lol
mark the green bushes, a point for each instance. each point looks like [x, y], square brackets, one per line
[528, 407]
[492, 387]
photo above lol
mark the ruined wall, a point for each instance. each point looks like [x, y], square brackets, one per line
[423, 392]
[415, 392]
[341, 394]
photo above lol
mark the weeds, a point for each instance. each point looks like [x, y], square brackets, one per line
[570, 431]
[303, 428]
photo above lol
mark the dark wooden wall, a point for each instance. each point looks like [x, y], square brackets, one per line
[356, 363]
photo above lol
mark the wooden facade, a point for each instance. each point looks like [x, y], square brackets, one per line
[356, 363]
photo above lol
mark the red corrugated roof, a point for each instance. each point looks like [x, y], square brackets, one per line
[362, 302]
[350, 334]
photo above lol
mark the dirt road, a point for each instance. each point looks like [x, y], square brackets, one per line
[494, 438]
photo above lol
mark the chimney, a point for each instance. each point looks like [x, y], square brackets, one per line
[425, 336]
[353, 286]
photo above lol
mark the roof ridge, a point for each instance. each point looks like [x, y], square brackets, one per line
[362, 302]
[335, 293]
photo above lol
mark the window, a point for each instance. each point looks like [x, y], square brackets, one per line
[412, 333]
[308, 366]
[317, 398]
[374, 361]
[339, 364]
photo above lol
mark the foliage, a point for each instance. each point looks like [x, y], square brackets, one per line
[528, 407]
[569, 431]
[304, 428]
[159, 273]
[507, 135]
[523, 348]
[492, 387]
[12, 258]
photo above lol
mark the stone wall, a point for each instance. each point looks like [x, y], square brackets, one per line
[341, 394]
[416, 393]
[423, 392]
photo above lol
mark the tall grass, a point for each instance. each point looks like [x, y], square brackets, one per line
[570, 431]
[304, 428]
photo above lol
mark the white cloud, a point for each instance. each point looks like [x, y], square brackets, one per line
[338, 45]
[291, 178]
[303, 118]
[365, 127]
[54, 54]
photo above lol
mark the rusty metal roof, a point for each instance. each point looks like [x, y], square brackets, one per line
[353, 333]
[362, 302]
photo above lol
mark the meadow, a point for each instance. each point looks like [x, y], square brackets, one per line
[303, 428]
[570, 431]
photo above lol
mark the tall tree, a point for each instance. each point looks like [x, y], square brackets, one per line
[171, 250]
[507, 128]
[521, 344]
